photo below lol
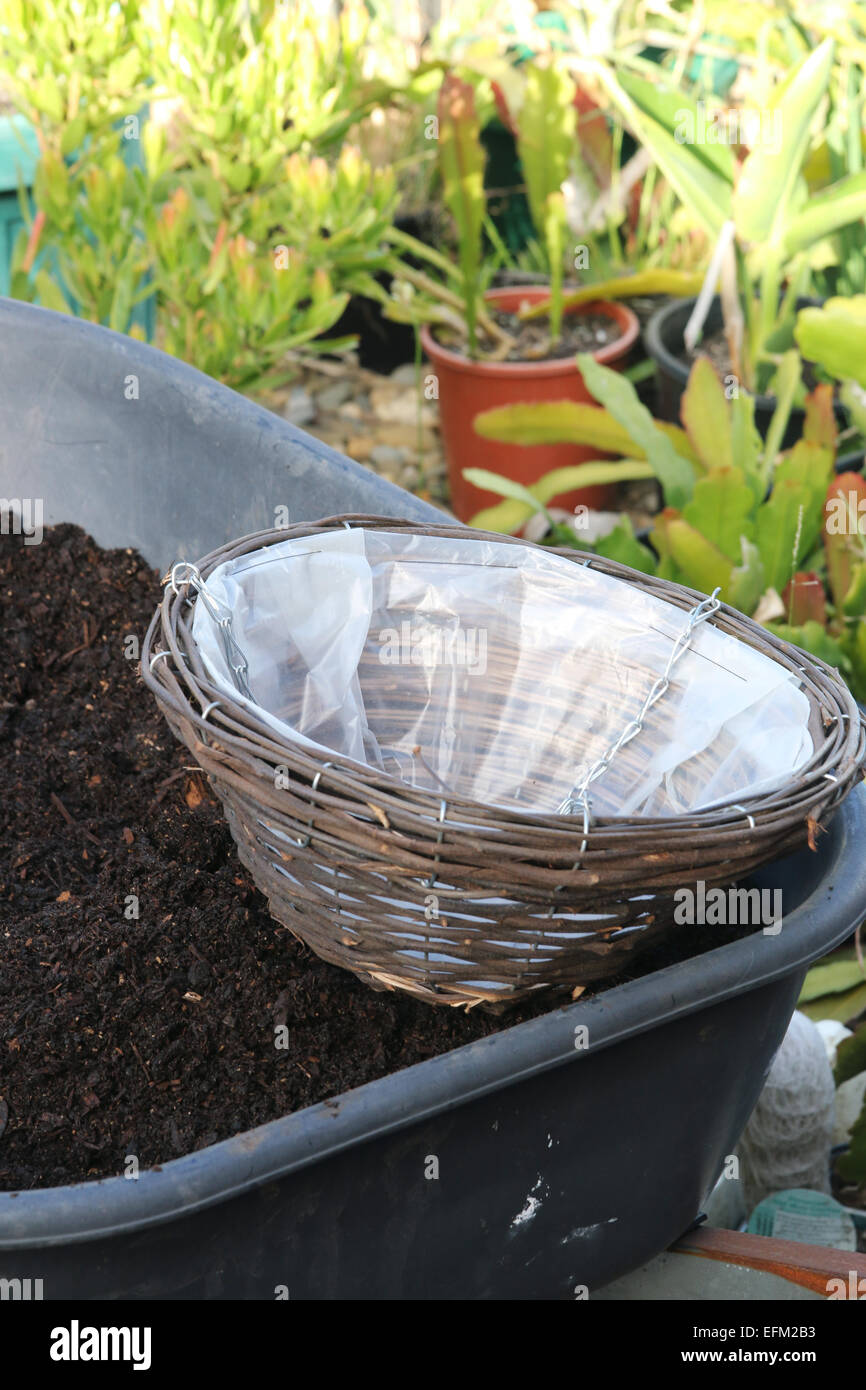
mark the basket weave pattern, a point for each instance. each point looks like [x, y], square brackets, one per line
[452, 900]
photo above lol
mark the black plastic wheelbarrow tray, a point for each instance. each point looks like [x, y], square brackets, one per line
[569, 1149]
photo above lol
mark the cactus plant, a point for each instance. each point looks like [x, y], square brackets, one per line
[759, 210]
[779, 534]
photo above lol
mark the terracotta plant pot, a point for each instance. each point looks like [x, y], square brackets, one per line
[466, 388]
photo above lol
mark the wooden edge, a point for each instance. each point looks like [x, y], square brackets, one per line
[811, 1266]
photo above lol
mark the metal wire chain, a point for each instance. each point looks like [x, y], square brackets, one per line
[222, 616]
[579, 796]
[186, 573]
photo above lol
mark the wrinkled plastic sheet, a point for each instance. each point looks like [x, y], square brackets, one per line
[498, 673]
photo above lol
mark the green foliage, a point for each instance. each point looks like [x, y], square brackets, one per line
[75, 70]
[747, 447]
[619, 397]
[842, 1007]
[851, 1056]
[786, 526]
[523, 501]
[280, 281]
[555, 227]
[257, 81]
[851, 1166]
[461, 161]
[720, 526]
[688, 555]
[546, 143]
[834, 336]
[722, 509]
[778, 224]
[541, 112]
[786, 384]
[768, 194]
[81, 74]
[707, 417]
[569, 422]
[835, 988]
[701, 173]
[660, 280]
[250, 239]
[257, 239]
[545, 134]
[836, 975]
[621, 545]
[99, 261]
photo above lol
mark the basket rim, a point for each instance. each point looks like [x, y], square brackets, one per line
[237, 722]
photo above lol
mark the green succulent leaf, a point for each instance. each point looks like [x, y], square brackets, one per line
[813, 637]
[622, 545]
[699, 172]
[834, 336]
[569, 422]
[852, 1165]
[461, 160]
[722, 510]
[789, 374]
[508, 516]
[546, 138]
[505, 487]
[698, 562]
[851, 1056]
[675, 473]
[764, 197]
[746, 443]
[49, 294]
[747, 582]
[808, 467]
[659, 280]
[834, 976]
[853, 397]
[705, 412]
[840, 205]
[779, 530]
[854, 602]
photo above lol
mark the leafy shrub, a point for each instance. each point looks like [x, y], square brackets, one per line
[250, 240]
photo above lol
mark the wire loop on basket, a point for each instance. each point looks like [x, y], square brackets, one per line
[222, 616]
[460, 902]
[443, 811]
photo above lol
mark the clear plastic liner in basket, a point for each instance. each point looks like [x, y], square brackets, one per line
[499, 673]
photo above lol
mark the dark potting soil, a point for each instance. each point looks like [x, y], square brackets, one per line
[580, 333]
[715, 347]
[141, 976]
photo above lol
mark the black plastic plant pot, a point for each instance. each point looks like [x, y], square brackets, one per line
[539, 1162]
[663, 339]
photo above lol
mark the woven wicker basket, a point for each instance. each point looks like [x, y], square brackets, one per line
[459, 902]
